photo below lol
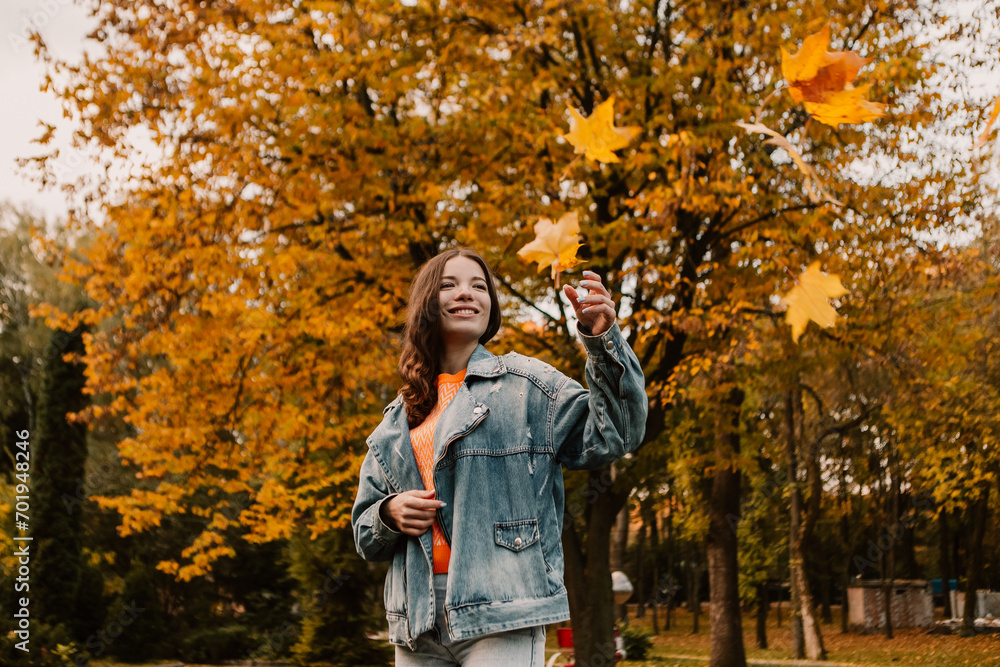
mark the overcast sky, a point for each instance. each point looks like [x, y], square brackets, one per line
[64, 25]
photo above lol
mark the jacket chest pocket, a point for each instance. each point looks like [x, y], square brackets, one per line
[516, 535]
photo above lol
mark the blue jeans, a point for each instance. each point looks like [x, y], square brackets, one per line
[434, 648]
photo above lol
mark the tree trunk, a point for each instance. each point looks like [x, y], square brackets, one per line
[845, 607]
[889, 555]
[619, 544]
[795, 508]
[811, 630]
[694, 601]
[588, 575]
[811, 634]
[649, 526]
[845, 539]
[888, 574]
[576, 583]
[810, 643]
[910, 552]
[957, 540]
[654, 547]
[640, 610]
[726, 632]
[944, 540]
[619, 541]
[980, 515]
[824, 595]
[670, 564]
[763, 604]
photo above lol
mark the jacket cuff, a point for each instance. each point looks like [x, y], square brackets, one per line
[610, 342]
[383, 533]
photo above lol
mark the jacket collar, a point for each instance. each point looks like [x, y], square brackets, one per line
[482, 363]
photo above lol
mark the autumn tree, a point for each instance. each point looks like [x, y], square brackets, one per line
[948, 418]
[310, 155]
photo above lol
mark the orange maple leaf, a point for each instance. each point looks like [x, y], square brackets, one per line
[555, 245]
[822, 81]
[808, 300]
[993, 118]
[596, 136]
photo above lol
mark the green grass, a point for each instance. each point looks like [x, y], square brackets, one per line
[909, 648]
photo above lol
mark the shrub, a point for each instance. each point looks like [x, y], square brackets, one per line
[637, 642]
[226, 642]
[50, 646]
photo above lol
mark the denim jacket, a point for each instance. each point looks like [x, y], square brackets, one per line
[498, 451]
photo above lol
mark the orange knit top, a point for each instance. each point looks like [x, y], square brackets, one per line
[422, 439]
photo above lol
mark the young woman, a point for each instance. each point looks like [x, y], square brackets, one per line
[462, 485]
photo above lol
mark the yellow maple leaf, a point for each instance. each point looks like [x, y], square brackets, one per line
[555, 245]
[993, 118]
[822, 81]
[808, 300]
[845, 106]
[596, 136]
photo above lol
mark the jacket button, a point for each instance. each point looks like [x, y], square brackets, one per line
[517, 542]
[610, 345]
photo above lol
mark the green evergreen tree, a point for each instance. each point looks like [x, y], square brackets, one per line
[137, 628]
[336, 602]
[58, 468]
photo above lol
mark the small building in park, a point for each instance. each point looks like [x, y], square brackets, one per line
[911, 603]
[987, 604]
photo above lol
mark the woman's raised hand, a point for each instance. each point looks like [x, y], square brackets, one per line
[597, 310]
[411, 512]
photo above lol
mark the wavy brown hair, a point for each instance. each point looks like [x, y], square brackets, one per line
[420, 361]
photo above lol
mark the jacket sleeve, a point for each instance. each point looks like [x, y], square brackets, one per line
[607, 422]
[373, 539]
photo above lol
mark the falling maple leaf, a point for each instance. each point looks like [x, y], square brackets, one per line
[808, 300]
[597, 137]
[555, 245]
[822, 81]
[993, 118]
[814, 186]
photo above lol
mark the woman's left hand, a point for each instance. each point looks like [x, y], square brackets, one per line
[596, 310]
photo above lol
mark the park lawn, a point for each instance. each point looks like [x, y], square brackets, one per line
[909, 648]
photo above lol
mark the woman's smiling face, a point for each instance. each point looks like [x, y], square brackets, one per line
[464, 300]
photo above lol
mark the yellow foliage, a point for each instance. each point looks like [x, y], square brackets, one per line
[246, 288]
